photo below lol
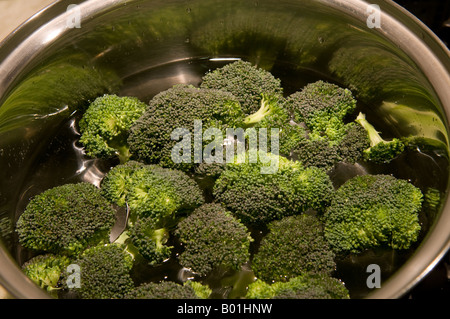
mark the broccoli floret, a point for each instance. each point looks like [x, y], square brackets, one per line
[105, 272]
[294, 245]
[211, 170]
[322, 107]
[150, 240]
[380, 150]
[273, 114]
[286, 189]
[163, 290]
[321, 154]
[245, 81]
[270, 113]
[306, 286]
[151, 190]
[369, 211]
[105, 125]
[157, 198]
[159, 136]
[116, 183]
[46, 271]
[66, 219]
[211, 237]
[315, 153]
[201, 290]
[355, 141]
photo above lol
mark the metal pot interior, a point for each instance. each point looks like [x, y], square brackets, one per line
[50, 69]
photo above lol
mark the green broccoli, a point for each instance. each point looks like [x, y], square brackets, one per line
[46, 271]
[322, 107]
[273, 114]
[369, 211]
[150, 240]
[151, 190]
[245, 81]
[202, 291]
[157, 198]
[296, 142]
[270, 113]
[305, 286]
[315, 153]
[294, 245]
[286, 188]
[172, 116]
[66, 219]
[165, 290]
[321, 154]
[380, 150]
[115, 185]
[105, 125]
[211, 237]
[105, 272]
[355, 141]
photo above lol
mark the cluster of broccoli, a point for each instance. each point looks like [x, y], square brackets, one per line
[288, 226]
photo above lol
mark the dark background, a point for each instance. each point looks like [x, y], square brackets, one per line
[436, 15]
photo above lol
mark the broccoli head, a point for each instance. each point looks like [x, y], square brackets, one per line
[150, 240]
[315, 153]
[157, 198]
[258, 197]
[66, 219]
[151, 190]
[294, 245]
[355, 141]
[105, 272]
[322, 107]
[245, 81]
[306, 286]
[163, 290]
[105, 125]
[369, 211]
[321, 153]
[273, 114]
[380, 150]
[211, 237]
[298, 143]
[176, 122]
[46, 271]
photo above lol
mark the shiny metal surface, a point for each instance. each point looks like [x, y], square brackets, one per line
[48, 69]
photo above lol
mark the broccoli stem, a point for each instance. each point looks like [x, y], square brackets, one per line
[122, 238]
[160, 237]
[374, 135]
[121, 147]
[267, 106]
[124, 154]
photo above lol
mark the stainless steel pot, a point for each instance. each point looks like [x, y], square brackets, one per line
[68, 54]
